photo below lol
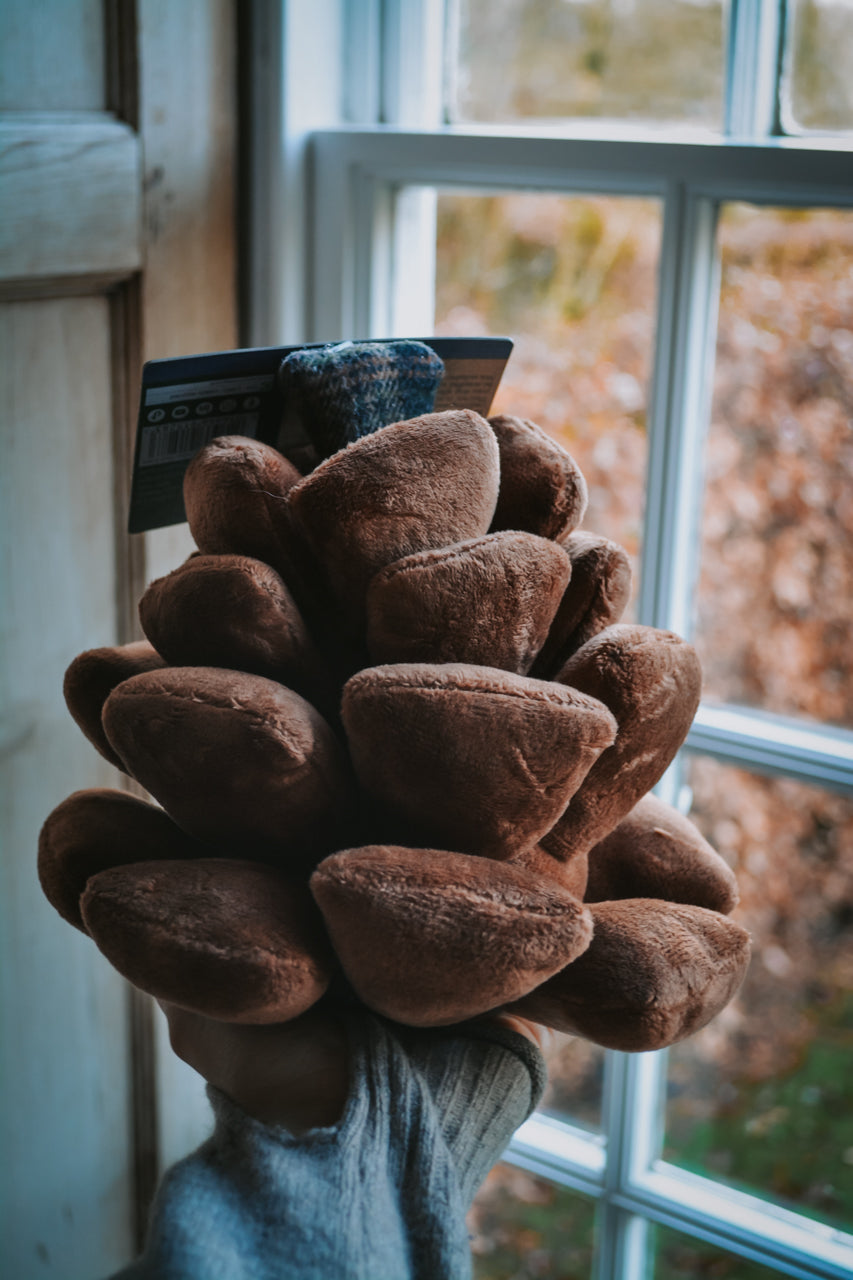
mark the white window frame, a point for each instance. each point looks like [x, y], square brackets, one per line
[343, 166]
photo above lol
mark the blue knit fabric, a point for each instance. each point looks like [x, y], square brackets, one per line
[380, 1196]
[344, 392]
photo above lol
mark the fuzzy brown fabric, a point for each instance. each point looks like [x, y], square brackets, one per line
[235, 493]
[489, 601]
[509, 850]
[231, 611]
[92, 677]
[231, 940]
[596, 597]
[657, 853]
[478, 760]
[654, 973]
[542, 489]
[100, 828]
[651, 681]
[569, 873]
[235, 759]
[428, 937]
[412, 486]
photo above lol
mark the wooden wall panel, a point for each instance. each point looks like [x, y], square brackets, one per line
[188, 126]
[120, 120]
[65, 1072]
[69, 204]
[188, 122]
[53, 55]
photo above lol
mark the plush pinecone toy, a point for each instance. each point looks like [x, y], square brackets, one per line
[403, 748]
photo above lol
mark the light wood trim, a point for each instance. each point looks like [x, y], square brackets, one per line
[187, 106]
[126, 348]
[126, 336]
[188, 126]
[122, 56]
[48, 221]
[24, 289]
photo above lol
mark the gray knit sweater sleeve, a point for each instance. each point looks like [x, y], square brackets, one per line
[382, 1195]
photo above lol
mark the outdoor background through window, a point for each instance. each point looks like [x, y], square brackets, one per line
[644, 60]
[775, 592]
[523, 1227]
[820, 72]
[573, 280]
[762, 1098]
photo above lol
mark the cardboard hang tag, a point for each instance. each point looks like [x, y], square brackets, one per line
[189, 401]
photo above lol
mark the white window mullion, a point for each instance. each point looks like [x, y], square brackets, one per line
[414, 263]
[743, 1223]
[412, 97]
[412, 64]
[371, 263]
[753, 67]
[687, 317]
[332, 245]
[816, 754]
[284, 108]
[687, 309]
[553, 1149]
[632, 1122]
[621, 1243]
[361, 61]
[353, 246]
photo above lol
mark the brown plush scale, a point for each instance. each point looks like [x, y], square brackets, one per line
[401, 736]
[651, 681]
[450, 934]
[410, 487]
[235, 759]
[251, 481]
[654, 973]
[90, 680]
[542, 489]
[482, 759]
[233, 940]
[488, 601]
[595, 597]
[94, 830]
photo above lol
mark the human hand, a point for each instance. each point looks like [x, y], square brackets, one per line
[294, 1074]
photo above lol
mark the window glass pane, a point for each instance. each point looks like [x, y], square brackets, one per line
[820, 64]
[775, 592]
[763, 1097]
[648, 60]
[575, 1077]
[572, 280]
[680, 1257]
[523, 1228]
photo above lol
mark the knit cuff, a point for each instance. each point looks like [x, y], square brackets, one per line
[485, 1080]
[521, 1046]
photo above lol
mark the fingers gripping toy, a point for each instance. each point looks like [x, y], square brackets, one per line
[403, 748]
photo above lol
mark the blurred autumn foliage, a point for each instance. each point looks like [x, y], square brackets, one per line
[652, 59]
[573, 282]
[763, 1096]
[523, 1227]
[775, 592]
[657, 61]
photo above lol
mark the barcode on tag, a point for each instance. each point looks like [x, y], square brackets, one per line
[178, 441]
